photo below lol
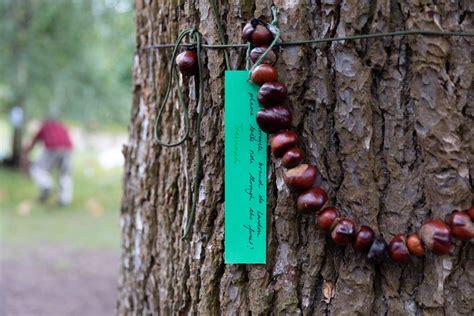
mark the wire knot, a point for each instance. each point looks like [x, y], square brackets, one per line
[273, 28]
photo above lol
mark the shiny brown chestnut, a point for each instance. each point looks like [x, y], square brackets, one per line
[300, 178]
[397, 249]
[343, 232]
[470, 212]
[312, 200]
[272, 93]
[248, 29]
[415, 245]
[282, 141]
[274, 119]
[327, 217]
[264, 73]
[378, 251]
[436, 236]
[461, 225]
[256, 33]
[187, 62]
[255, 54]
[363, 239]
[292, 157]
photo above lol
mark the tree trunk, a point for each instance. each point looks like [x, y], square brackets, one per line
[388, 122]
[15, 158]
[22, 12]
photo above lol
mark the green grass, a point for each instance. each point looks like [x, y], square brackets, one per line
[91, 221]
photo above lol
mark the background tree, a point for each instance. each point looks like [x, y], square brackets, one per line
[59, 57]
[388, 122]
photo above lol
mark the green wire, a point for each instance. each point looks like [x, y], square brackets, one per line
[173, 75]
[324, 40]
[198, 168]
[247, 56]
[196, 38]
[220, 31]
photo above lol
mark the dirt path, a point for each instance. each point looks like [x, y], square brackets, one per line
[53, 280]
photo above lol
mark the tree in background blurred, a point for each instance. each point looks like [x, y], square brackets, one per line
[66, 58]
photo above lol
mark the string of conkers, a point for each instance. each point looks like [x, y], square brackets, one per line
[275, 118]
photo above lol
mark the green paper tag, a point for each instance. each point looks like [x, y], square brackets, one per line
[245, 173]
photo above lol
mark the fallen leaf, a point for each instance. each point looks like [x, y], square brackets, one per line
[24, 208]
[95, 207]
[328, 291]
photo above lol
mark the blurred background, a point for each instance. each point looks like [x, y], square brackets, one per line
[69, 60]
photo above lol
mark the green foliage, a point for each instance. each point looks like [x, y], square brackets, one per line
[68, 57]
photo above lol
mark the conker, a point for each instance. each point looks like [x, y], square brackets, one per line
[461, 225]
[256, 33]
[264, 73]
[274, 119]
[343, 232]
[248, 30]
[470, 212]
[292, 157]
[436, 236]
[187, 62]
[415, 245]
[272, 93]
[300, 178]
[397, 249]
[327, 217]
[255, 54]
[363, 239]
[377, 251]
[282, 141]
[312, 200]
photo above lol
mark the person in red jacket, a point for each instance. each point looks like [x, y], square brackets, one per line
[56, 155]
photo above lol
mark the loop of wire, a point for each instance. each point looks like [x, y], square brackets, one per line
[196, 39]
[195, 36]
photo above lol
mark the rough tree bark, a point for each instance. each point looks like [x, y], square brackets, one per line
[388, 122]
